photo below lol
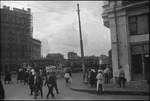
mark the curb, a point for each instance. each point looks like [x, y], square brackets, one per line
[113, 92]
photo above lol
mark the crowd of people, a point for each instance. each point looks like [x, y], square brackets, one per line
[95, 78]
[37, 79]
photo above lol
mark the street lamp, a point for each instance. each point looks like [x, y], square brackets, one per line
[81, 41]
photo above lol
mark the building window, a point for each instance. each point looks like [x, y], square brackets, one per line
[139, 24]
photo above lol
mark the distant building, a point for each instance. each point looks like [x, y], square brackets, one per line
[128, 21]
[72, 55]
[16, 31]
[89, 61]
[36, 49]
[55, 56]
[103, 60]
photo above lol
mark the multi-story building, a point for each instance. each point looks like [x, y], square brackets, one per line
[128, 21]
[36, 49]
[55, 56]
[16, 31]
[72, 55]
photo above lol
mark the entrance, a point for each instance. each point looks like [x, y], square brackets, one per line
[146, 65]
[137, 68]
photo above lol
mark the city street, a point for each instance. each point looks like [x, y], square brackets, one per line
[18, 91]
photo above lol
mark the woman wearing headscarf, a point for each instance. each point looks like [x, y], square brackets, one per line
[100, 79]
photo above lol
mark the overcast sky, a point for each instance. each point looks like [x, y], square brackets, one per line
[55, 23]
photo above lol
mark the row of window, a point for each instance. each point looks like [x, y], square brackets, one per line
[15, 20]
[140, 48]
[139, 24]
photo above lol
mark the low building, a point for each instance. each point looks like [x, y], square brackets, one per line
[72, 55]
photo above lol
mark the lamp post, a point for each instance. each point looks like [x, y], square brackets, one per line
[81, 41]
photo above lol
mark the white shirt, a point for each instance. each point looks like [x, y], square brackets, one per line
[67, 75]
[99, 78]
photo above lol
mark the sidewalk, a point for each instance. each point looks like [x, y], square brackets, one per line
[111, 88]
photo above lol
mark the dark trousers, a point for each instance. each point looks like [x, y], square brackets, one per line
[122, 80]
[100, 89]
[55, 86]
[37, 89]
[107, 78]
[32, 89]
[50, 91]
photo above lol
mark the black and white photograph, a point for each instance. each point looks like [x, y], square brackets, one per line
[74, 50]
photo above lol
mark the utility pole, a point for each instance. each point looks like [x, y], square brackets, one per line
[81, 41]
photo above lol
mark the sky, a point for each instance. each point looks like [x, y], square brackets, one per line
[55, 24]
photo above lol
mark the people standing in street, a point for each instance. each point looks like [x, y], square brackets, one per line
[55, 82]
[100, 79]
[86, 78]
[49, 82]
[7, 76]
[26, 76]
[107, 74]
[121, 77]
[38, 84]
[20, 75]
[92, 78]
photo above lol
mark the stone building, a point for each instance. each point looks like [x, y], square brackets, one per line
[16, 31]
[128, 21]
[36, 49]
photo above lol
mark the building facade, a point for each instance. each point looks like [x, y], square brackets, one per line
[128, 22]
[36, 49]
[55, 56]
[16, 31]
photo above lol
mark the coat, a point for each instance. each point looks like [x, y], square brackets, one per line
[100, 79]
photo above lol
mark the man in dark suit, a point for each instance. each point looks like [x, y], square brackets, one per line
[31, 81]
[50, 84]
[55, 82]
[38, 84]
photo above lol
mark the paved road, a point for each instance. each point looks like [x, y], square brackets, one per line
[18, 91]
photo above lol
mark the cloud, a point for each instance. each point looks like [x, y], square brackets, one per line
[55, 23]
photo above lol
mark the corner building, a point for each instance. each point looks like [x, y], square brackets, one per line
[128, 21]
[16, 31]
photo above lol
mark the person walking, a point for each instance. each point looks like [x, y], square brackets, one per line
[67, 76]
[49, 81]
[31, 81]
[121, 77]
[99, 78]
[38, 84]
[55, 82]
